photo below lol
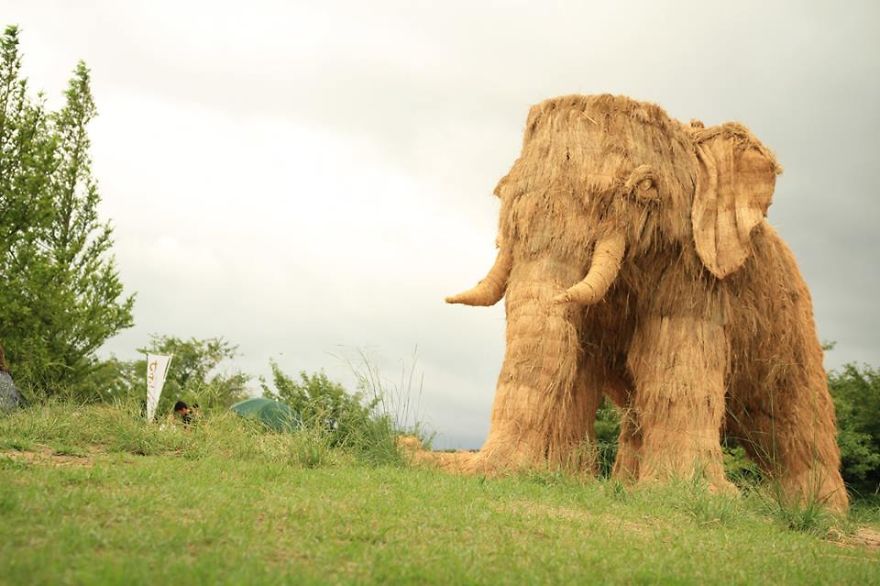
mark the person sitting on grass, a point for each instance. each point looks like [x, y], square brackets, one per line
[183, 411]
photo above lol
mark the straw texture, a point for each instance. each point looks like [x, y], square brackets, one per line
[635, 260]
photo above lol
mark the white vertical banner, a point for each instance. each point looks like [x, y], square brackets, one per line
[157, 368]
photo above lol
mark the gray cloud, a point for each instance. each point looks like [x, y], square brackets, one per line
[323, 173]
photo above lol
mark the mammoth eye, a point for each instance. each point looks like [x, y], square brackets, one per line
[641, 184]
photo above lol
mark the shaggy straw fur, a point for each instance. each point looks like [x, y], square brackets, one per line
[635, 260]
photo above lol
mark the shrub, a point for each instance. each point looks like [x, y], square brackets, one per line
[343, 419]
[740, 469]
[856, 394]
[607, 431]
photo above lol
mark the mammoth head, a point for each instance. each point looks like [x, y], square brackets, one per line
[604, 178]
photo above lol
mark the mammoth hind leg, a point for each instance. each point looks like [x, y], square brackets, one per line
[629, 446]
[787, 426]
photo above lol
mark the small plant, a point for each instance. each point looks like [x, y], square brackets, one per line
[7, 463]
[311, 447]
[617, 490]
[546, 477]
[710, 509]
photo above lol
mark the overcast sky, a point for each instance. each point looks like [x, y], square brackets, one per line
[310, 180]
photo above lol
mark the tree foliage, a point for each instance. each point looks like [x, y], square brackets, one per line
[856, 393]
[196, 375]
[62, 297]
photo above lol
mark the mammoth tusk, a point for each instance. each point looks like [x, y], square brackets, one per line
[490, 290]
[607, 256]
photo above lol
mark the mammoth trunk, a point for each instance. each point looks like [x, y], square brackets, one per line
[543, 408]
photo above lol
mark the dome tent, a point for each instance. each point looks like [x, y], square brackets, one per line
[275, 415]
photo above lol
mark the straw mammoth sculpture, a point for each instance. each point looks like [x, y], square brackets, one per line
[635, 261]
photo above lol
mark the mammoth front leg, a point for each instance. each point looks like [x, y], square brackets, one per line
[545, 406]
[678, 366]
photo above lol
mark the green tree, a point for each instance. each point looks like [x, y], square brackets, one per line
[62, 297]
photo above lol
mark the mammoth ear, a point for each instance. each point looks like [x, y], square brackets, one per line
[734, 186]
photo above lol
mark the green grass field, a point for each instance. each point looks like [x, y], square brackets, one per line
[93, 495]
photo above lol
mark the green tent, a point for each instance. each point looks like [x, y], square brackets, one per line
[274, 414]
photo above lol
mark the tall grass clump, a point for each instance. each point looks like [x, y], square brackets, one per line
[311, 448]
[705, 507]
[395, 405]
[365, 423]
[337, 425]
[79, 430]
[809, 515]
[693, 498]
[117, 427]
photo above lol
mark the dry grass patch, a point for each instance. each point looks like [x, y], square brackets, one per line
[45, 456]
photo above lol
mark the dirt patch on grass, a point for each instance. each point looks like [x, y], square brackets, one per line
[864, 537]
[45, 456]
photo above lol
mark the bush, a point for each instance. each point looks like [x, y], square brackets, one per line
[856, 394]
[607, 431]
[343, 419]
[740, 469]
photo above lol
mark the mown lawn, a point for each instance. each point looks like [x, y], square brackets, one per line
[92, 495]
